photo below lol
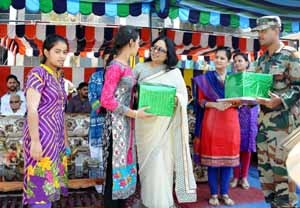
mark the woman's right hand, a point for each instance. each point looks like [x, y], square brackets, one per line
[222, 106]
[140, 113]
[36, 151]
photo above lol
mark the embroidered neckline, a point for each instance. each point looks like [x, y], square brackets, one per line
[50, 71]
[56, 76]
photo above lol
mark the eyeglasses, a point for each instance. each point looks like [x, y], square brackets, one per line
[158, 49]
[14, 102]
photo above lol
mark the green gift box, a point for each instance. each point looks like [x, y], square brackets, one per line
[160, 98]
[248, 84]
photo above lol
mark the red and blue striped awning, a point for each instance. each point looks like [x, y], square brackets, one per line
[81, 38]
[27, 39]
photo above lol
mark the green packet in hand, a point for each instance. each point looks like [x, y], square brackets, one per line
[158, 97]
[248, 84]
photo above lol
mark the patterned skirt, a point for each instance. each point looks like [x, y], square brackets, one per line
[45, 181]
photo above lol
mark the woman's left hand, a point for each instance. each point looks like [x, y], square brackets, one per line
[67, 146]
[236, 103]
[222, 106]
[175, 103]
[68, 151]
[140, 113]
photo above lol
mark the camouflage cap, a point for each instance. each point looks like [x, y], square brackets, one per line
[266, 22]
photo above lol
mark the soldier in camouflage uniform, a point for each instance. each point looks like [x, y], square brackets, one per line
[279, 114]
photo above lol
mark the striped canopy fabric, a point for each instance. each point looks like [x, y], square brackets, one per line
[232, 13]
[228, 13]
[286, 9]
[87, 41]
[81, 38]
[85, 7]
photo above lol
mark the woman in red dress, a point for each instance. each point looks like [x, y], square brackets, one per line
[219, 128]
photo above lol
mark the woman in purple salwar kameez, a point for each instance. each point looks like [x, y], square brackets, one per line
[45, 138]
[248, 116]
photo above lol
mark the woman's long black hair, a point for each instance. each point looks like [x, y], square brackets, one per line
[122, 38]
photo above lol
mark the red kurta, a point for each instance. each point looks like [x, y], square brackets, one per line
[220, 136]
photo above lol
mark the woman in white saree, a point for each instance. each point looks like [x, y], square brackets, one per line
[162, 142]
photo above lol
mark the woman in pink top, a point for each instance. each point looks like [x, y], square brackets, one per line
[118, 137]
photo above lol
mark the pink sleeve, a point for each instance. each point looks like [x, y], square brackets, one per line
[113, 75]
